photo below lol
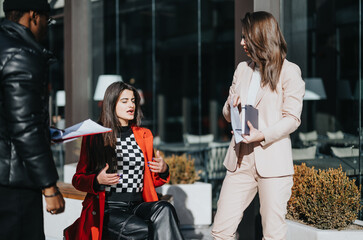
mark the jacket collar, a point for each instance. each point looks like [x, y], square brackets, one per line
[21, 32]
[139, 135]
[244, 85]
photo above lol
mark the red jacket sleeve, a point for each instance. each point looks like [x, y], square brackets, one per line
[82, 180]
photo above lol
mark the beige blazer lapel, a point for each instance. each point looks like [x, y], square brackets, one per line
[260, 93]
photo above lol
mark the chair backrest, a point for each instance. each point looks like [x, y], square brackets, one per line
[195, 139]
[335, 135]
[214, 160]
[308, 136]
[304, 153]
[345, 151]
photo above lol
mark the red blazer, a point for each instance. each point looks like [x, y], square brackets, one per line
[89, 225]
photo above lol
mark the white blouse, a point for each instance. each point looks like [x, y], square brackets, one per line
[255, 85]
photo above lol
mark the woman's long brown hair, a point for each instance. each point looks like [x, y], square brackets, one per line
[265, 44]
[101, 148]
[108, 116]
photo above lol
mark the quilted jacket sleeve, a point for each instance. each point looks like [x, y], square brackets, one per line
[25, 100]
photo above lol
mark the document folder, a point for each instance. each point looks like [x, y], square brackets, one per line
[87, 127]
[249, 113]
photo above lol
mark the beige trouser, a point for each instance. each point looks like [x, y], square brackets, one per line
[238, 190]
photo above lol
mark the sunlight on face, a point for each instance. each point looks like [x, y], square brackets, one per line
[125, 107]
[243, 44]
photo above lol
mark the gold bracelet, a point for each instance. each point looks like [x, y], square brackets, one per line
[57, 192]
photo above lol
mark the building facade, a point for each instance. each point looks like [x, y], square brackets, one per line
[182, 54]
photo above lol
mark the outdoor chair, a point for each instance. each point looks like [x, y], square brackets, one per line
[197, 139]
[308, 138]
[335, 135]
[304, 153]
[343, 152]
[214, 168]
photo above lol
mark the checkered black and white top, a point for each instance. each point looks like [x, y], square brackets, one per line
[130, 165]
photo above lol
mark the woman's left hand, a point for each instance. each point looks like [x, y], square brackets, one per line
[255, 135]
[158, 164]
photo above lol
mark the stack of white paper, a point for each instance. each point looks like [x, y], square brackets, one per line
[87, 127]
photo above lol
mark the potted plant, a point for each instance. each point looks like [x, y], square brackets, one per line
[192, 199]
[324, 205]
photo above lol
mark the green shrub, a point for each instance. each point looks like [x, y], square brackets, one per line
[326, 199]
[182, 169]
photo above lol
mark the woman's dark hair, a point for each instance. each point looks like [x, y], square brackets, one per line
[101, 148]
[265, 44]
[108, 116]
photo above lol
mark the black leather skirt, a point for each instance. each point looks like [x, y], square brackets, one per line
[140, 220]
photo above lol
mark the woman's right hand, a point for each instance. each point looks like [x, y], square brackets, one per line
[107, 178]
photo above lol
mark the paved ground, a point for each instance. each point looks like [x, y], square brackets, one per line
[197, 233]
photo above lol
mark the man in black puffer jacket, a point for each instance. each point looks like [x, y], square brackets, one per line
[26, 164]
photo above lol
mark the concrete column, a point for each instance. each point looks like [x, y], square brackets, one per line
[271, 6]
[77, 42]
[241, 7]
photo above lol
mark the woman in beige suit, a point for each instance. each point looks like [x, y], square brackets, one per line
[262, 162]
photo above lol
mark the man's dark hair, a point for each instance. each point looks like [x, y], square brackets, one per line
[14, 15]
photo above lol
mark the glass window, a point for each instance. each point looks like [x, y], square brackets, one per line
[324, 40]
[179, 53]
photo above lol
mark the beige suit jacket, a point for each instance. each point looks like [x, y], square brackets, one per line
[279, 115]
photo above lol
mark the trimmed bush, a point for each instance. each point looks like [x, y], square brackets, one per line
[326, 199]
[182, 169]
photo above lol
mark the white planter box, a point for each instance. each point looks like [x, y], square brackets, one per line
[193, 202]
[55, 224]
[298, 231]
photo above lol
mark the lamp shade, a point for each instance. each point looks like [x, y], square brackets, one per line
[314, 89]
[102, 84]
[60, 98]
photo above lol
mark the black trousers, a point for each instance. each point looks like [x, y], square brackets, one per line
[138, 221]
[21, 214]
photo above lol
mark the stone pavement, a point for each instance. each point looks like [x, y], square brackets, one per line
[197, 233]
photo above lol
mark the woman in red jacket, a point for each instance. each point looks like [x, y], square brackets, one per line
[119, 174]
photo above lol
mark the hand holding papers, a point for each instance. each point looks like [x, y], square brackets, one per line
[87, 127]
[236, 123]
[240, 127]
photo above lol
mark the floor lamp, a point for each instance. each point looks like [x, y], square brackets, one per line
[102, 84]
[314, 90]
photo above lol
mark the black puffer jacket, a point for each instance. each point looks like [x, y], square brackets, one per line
[25, 155]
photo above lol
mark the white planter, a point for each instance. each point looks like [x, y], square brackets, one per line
[55, 224]
[193, 202]
[298, 231]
